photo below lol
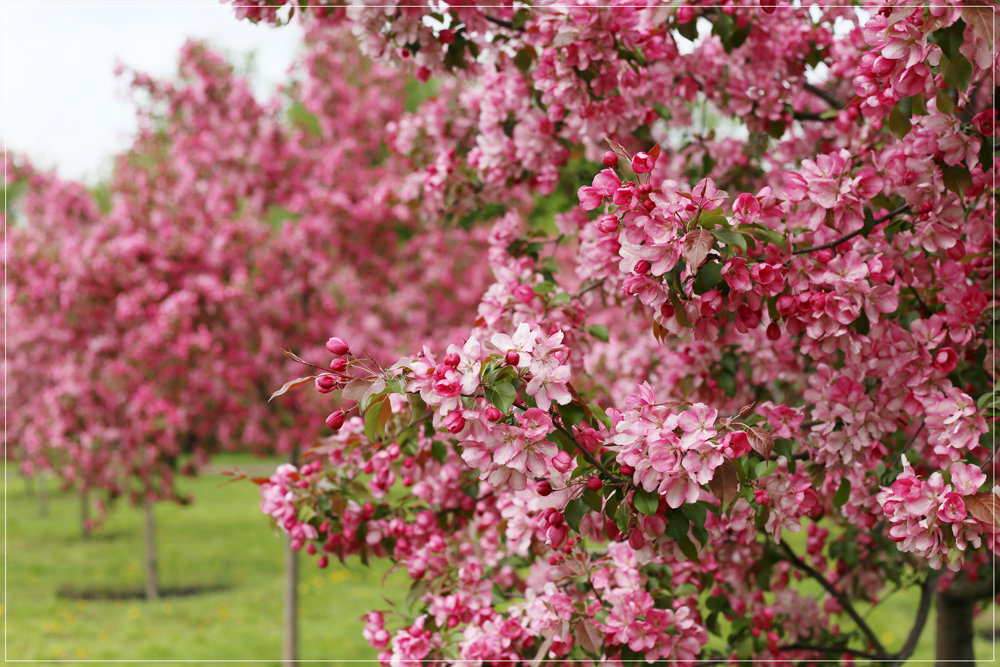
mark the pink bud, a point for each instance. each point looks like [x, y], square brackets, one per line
[684, 14]
[643, 163]
[446, 36]
[512, 358]
[454, 422]
[641, 267]
[338, 365]
[322, 562]
[607, 224]
[337, 346]
[544, 488]
[452, 360]
[610, 159]
[562, 461]
[423, 74]
[325, 383]
[594, 483]
[311, 548]
[493, 414]
[627, 469]
[761, 497]
[335, 420]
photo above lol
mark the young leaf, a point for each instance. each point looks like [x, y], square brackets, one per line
[502, 395]
[291, 384]
[588, 636]
[697, 243]
[958, 72]
[726, 482]
[730, 237]
[899, 124]
[761, 441]
[372, 418]
[679, 312]
[985, 508]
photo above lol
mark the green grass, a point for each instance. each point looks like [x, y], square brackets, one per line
[222, 539]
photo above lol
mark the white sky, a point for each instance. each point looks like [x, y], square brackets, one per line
[61, 104]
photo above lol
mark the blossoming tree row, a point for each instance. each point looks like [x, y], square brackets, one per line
[740, 387]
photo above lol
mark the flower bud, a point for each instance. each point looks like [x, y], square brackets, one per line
[610, 159]
[761, 497]
[493, 414]
[325, 383]
[608, 224]
[562, 461]
[338, 365]
[337, 346]
[594, 483]
[544, 488]
[452, 360]
[643, 163]
[335, 420]
[454, 422]
[322, 562]
[512, 358]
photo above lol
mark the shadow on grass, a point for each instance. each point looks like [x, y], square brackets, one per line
[136, 593]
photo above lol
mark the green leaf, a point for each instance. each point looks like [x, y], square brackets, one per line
[544, 287]
[598, 331]
[572, 414]
[372, 418]
[950, 38]
[730, 237]
[439, 451]
[646, 502]
[623, 517]
[958, 72]
[945, 104]
[899, 124]
[709, 275]
[417, 589]
[575, 509]
[679, 312]
[502, 395]
[956, 178]
[711, 221]
[768, 236]
[688, 30]
[842, 494]
[869, 222]
[594, 499]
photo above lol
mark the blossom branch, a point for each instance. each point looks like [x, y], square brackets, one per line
[843, 600]
[848, 237]
[923, 609]
[829, 98]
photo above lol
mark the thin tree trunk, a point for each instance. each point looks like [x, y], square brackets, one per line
[152, 576]
[954, 630]
[290, 643]
[85, 515]
[29, 485]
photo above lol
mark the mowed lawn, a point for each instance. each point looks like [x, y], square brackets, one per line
[221, 540]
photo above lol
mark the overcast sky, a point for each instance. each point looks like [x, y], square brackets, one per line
[61, 102]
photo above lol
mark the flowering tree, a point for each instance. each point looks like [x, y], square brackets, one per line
[232, 229]
[780, 326]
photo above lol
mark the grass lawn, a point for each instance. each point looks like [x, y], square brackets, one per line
[220, 540]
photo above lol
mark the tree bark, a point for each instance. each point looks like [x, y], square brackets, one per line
[954, 630]
[85, 515]
[152, 575]
[290, 643]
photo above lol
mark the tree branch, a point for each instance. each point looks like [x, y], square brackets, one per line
[848, 237]
[923, 609]
[587, 455]
[842, 599]
[502, 23]
[809, 115]
[829, 98]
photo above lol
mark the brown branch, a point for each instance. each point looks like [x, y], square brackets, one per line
[829, 98]
[848, 237]
[842, 599]
[923, 609]
[966, 592]
[809, 115]
[502, 23]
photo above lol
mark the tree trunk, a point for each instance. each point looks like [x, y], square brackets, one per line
[954, 630]
[152, 576]
[290, 644]
[85, 515]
